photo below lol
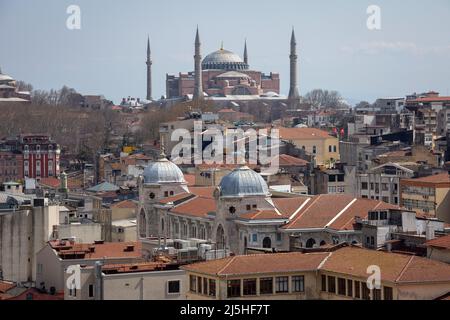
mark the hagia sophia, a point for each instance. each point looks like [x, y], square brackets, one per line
[224, 76]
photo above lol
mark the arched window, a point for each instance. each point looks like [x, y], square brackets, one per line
[142, 224]
[310, 243]
[267, 243]
[322, 243]
[220, 237]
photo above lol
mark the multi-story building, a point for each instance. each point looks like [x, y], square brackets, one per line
[337, 275]
[318, 143]
[11, 164]
[26, 224]
[135, 281]
[383, 182]
[429, 195]
[39, 156]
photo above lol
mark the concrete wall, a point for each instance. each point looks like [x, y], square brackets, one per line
[84, 233]
[22, 234]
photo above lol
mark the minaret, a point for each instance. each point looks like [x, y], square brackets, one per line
[293, 88]
[149, 71]
[198, 89]
[245, 53]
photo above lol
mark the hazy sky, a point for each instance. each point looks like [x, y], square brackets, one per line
[410, 53]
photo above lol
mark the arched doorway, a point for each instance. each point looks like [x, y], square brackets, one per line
[310, 243]
[245, 242]
[220, 237]
[142, 224]
[267, 243]
[322, 243]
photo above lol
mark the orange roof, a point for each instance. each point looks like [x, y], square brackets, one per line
[176, 198]
[35, 294]
[261, 215]
[303, 134]
[133, 267]
[287, 160]
[197, 207]
[125, 204]
[190, 179]
[206, 192]
[55, 183]
[5, 286]
[394, 267]
[226, 110]
[105, 250]
[352, 261]
[430, 99]
[441, 242]
[259, 264]
[438, 180]
[333, 211]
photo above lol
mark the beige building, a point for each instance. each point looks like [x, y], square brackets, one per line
[428, 195]
[25, 228]
[318, 143]
[338, 275]
[138, 281]
[54, 259]
[439, 249]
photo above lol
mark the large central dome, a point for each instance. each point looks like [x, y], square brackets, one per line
[163, 171]
[223, 60]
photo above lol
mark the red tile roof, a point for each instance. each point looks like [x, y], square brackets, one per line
[259, 264]
[334, 211]
[394, 267]
[261, 215]
[438, 180]
[106, 250]
[196, 207]
[441, 242]
[303, 134]
[125, 204]
[35, 294]
[5, 286]
[353, 261]
[285, 160]
[206, 192]
[430, 99]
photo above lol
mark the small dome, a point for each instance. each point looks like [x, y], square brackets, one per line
[163, 171]
[243, 182]
[224, 60]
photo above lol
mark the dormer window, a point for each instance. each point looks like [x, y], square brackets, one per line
[232, 210]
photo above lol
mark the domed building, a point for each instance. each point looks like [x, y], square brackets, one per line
[223, 74]
[9, 92]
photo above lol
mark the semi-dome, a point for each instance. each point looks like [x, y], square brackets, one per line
[224, 60]
[163, 171]
[243, 182]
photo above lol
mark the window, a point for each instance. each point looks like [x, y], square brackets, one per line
[166, 194]
[249, 287]
[364, 186]
[314, 149]
[341, 286]
[331, 284]
[255, 237]
[298, 284]
[376, 294]
[212, 287]
[199, 285]
[388, 294]
[334, 149]
[279, 237]
[91, 291]
[266, 286]
[365, 291]
[171, 193]
[330, 148]
[233, 288]
[350, 288]
[281, 284]
[357, 289]
[205, 286]
[324, 283]
[192, 283]
[249, 207]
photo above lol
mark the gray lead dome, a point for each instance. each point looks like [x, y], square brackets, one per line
[243, 182]
[223, 60]
[163, 171]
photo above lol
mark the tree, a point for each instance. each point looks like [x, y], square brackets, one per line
[319, 98]
[23, 86]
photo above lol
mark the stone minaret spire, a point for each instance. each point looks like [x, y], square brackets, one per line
[149, 71]
[245, 53]
[198, 89]
[293, 88]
